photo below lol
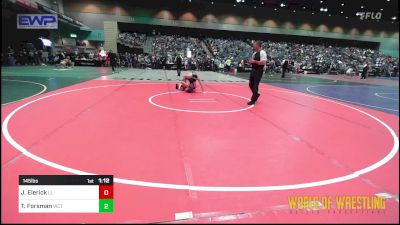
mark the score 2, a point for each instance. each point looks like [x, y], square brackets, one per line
[106, 201]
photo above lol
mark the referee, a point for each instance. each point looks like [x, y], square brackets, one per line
[257, 61]
[178, 64]
[113, 60]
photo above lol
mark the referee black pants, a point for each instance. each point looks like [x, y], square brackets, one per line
[283, 71]
[178, 70]
[254, 81]
[113, 65]
[363, 75]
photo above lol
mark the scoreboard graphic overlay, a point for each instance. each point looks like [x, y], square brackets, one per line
[66, 194]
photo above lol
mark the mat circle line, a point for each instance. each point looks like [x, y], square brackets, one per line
[199, 111]
[380, 95]
[25, 81]
[357, 103]
[353, 175]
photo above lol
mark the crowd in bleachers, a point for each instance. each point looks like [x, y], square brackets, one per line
[166, 48]
[329, 59]
[224, 54]
[228, 51]
[234, 53]
[131, 39]
[304, 57]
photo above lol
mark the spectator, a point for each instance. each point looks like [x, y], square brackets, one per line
[45, 57]
[285, 66]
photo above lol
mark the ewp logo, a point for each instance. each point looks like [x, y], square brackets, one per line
[37, 21]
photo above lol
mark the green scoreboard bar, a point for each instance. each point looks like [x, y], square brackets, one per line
[66, 194]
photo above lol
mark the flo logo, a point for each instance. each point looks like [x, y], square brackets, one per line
[369, 15]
